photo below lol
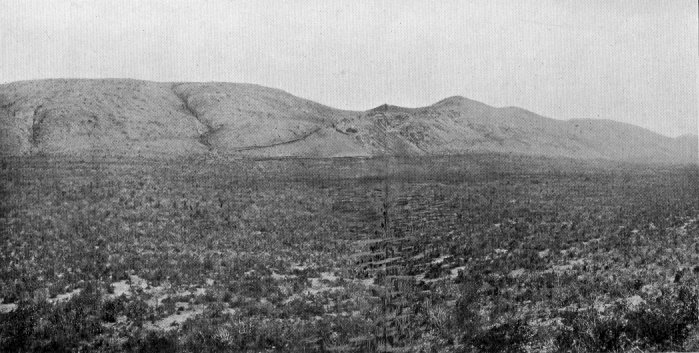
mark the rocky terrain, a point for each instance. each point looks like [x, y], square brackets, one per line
[130, 117]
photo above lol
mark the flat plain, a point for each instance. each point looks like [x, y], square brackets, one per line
[483, 252]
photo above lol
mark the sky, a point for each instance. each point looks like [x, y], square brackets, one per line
[633, 61]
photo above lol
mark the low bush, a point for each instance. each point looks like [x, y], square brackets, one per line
[508, 337]
[62, 327]
[660, 325]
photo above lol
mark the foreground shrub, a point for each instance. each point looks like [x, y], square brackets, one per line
[509, 337]
[63, 327]
[662, 325]
[153, 342]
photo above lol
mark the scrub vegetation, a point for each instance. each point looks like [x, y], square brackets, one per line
[476, 253]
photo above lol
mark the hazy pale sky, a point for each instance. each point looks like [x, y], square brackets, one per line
[633, 61]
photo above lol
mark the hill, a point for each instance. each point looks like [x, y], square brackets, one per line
[130, 117]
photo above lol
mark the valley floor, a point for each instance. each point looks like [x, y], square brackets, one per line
[470, 253]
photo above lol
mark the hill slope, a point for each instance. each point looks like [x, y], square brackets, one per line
[75, 117]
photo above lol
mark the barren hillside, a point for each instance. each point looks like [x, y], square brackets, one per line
[129, 117]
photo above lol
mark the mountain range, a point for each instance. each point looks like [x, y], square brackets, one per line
[76, 117]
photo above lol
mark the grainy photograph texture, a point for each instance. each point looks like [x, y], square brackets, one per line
[459, 176]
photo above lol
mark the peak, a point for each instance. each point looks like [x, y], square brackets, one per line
[382, 107]
[386, 107]
[457, 101]
[452, 100]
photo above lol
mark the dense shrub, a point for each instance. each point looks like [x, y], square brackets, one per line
[45, 327]
[466, 315]
[661, 325]
[508, 337]
[152, 342]
[664, 324]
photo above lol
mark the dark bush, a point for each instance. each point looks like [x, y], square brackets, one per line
[466, 315]
[112, 308]
[152, 342]
[666, 323]
[662, 325]
[509, 337]
[137, 311]
[17, 327]
[43, 327]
